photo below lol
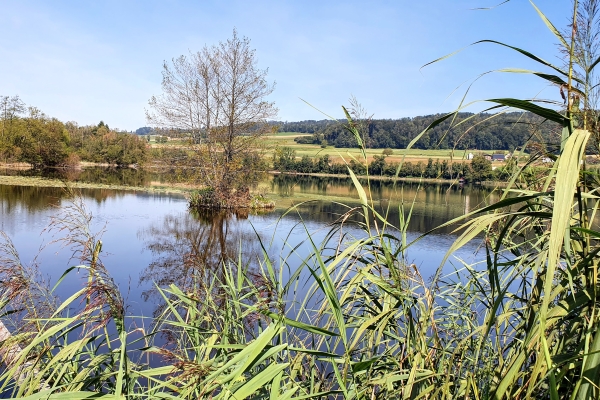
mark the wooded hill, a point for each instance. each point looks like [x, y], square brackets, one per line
[505, 131]
[28, 135]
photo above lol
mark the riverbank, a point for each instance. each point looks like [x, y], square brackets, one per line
[179, 187]
[49, 182]
[491, 184]
[155, 186]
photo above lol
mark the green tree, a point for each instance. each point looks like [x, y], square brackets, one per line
[377, 166]
[284, 158]
[481, 169]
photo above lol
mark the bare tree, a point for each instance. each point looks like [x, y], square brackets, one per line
[10, 109]
[218, 96]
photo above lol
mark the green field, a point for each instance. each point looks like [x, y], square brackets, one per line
[286, 139]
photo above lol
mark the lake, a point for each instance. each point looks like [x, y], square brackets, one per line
[152, 239]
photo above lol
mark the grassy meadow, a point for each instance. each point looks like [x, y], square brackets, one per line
[286, 139]
[338, 155]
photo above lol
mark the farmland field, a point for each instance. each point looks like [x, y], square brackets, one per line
[286, 139]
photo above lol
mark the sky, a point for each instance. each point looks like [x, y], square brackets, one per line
[87, 61]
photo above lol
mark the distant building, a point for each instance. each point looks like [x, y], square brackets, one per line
[487, 157]
[470, 156]
[498, 157]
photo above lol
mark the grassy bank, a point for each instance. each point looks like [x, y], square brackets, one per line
[286, 139]
[57, 183]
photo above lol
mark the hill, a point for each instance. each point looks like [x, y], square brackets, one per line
[505, 131]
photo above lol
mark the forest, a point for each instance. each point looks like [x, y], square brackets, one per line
[503, 131]
[28, 135]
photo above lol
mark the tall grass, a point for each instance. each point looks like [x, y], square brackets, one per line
[354, 320]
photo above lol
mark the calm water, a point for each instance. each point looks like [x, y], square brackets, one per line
[153, 238]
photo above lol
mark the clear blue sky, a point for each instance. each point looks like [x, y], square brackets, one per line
[88, 61]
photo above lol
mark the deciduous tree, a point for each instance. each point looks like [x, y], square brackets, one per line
[218, 95]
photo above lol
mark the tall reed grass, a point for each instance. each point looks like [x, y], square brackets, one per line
[523, 323]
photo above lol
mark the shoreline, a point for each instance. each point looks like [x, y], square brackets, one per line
[389, 178]
[182, 188]
[57, 183]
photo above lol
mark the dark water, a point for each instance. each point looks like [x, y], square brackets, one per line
[153, 239]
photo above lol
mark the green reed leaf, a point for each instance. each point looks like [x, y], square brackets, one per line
[550, 26]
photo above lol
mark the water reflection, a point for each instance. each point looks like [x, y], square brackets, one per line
[185, 249]
[30, 198]
[437, 203]
[97, 175]
[188, 249]
[35, 198]
[430, 205]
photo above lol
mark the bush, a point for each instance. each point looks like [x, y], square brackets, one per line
[204, 198]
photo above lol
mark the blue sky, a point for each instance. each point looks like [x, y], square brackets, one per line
[88, 61]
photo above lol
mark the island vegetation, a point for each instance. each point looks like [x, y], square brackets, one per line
[218, 97]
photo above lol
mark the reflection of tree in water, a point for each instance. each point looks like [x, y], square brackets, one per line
[36, 198]
[31, 198]
[189, 250]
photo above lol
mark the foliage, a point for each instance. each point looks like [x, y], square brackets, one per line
[211, 199]
[481, 168]
[102, 145]
[506, 131]
[42, 141]
[145, 130]
[355, 320]
[35, 139]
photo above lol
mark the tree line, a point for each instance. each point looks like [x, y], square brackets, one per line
[476, 170]
[505, 131]
[30, 136]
